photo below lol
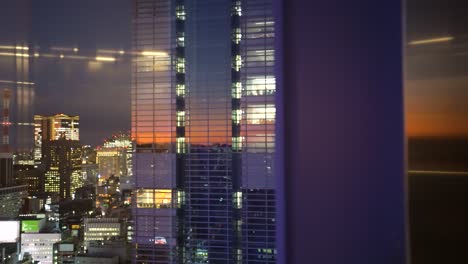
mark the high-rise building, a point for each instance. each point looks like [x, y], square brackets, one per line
[123, 143]
[111, 161]
[257, 132]
[62, 161]
[203, 119]
[57, 151]
[28, 175]
[49, 128]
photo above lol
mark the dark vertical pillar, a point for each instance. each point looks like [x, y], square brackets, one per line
[341, 169]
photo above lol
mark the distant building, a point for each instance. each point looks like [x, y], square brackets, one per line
[86, 192]
[62, 161]
[89, 155]
[50, 128]
[64, 253]
[111, 161]
[39, 246]
[122, 141]
[98, 229]
[86, 259]
[115, 156]
[90, 173]
[11, 200]
[109, 248]
[28, 175]
[6, 169]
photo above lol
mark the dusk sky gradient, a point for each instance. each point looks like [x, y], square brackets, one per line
[436, 87]
[99, 94]
[437, 74]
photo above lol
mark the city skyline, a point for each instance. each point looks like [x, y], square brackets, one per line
[432, 110]
[233, 131]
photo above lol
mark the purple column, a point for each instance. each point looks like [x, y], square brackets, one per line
[341, 143]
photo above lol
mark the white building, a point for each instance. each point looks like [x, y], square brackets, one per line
[39, 246]
[98, 229]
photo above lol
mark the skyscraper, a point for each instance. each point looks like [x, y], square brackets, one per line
[48, 128]
[203, 116]
[62, 162]
[111, 161]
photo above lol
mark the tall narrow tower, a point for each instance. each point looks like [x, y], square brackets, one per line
[6, 157]
[203, 118]
[6, 120]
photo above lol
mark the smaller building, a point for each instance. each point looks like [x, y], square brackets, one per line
[89, 173]
[39, 246]
[64, 252]
[87, 259]
[12, 200]
[109, 248]
[28, 175]
[99, 229]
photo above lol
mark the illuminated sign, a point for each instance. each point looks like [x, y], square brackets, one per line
[30, 226]
[75, 226]
[9, 231]
[160, 241]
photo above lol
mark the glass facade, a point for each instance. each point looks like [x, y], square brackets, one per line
[208, 226]
[154, 106]
[257, 104]
[62, 162]
[203, 117]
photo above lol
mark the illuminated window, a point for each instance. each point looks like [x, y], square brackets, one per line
[237, 35]
[236, 116]
[154, 198]
[163, 198]
[180, 148]
[180, 197]
[180, 12]
[180, 65]
[237, 8]
[236, 90]
[237, 63]
[265, 85]
[261, 114]
[180, 39]
[237, 200]
[181, 118]
[180, 89]
[145, 198]
[236, 143]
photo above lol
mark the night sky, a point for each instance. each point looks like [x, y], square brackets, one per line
[436, 86]
[437, 74]
[98, 92]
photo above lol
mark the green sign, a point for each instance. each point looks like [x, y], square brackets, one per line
[30, 226]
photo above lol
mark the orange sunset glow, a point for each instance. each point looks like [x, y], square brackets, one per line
[437, 107]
